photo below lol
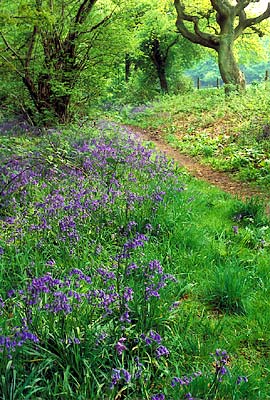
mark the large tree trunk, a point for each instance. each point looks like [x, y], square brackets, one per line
[228, 66]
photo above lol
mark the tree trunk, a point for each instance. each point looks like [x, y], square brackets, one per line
[229, 69]
[127, 67]
[160, 63]
[162, 78]
[61, 108]
[49, 106]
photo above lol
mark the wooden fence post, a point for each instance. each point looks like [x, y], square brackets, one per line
[266, 75]
[217, 83]
[198, 83]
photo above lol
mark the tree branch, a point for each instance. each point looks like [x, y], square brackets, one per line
[94, 27]
[84, 11]
[11, 49]
[31, 47]
[249, 22]
[170, 46]
[198, 37]
[12, 66]
[241, 5]
[222, 7]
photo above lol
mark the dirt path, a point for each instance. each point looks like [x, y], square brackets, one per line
[220, 179]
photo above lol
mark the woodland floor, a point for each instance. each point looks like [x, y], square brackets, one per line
[220, 179]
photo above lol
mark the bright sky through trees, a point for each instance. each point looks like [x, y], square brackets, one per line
[260, 6]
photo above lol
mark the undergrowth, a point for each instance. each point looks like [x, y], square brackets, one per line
[230, 133]
[123, 278]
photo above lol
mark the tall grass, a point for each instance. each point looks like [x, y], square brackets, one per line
[109, 284]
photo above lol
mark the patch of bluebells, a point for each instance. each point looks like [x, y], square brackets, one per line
[154, 339]
[103, 297]
[102, 178]
[185, 380]
[159, 396]
[221, 365]
[119, 376]
[151, 276]
[16, 339]
[88, 185]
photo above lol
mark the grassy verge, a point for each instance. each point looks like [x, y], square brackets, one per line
[231, 134]
[123, 278]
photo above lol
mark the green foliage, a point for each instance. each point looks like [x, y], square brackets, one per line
[229, 135]
[226, 291]
[252, 211]
[190, 233]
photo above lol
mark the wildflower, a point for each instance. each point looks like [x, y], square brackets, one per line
[139, 366]
[125, 317]
[185, 380]
[221, 360]
[162, 351]
[116, 376]
[119, 374]
[155, 336]
[101, 338]
[120, 347]
[74, 341]
[235, 229]
[50, 263]
[148, 227]
[241, 379]
[159, 396]
[128, 294]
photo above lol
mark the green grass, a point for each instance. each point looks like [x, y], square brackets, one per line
[230, 134]
[220, 300]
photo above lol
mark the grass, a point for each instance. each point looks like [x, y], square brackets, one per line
[124, 278]
[230, 134]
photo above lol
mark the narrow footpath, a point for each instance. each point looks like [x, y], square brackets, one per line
[218, 178]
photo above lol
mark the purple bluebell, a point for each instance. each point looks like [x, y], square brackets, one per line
[162, 351]
[120, 347]
[241, 379]
[159, 396]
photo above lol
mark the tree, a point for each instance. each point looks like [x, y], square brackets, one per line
[220, 34]
[157, 45]
[48, 44]
[157, 36]
[158, 52]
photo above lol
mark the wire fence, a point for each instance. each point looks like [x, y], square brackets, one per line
[218, 82]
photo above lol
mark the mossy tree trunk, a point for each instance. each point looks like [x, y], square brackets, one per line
[230, 72]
